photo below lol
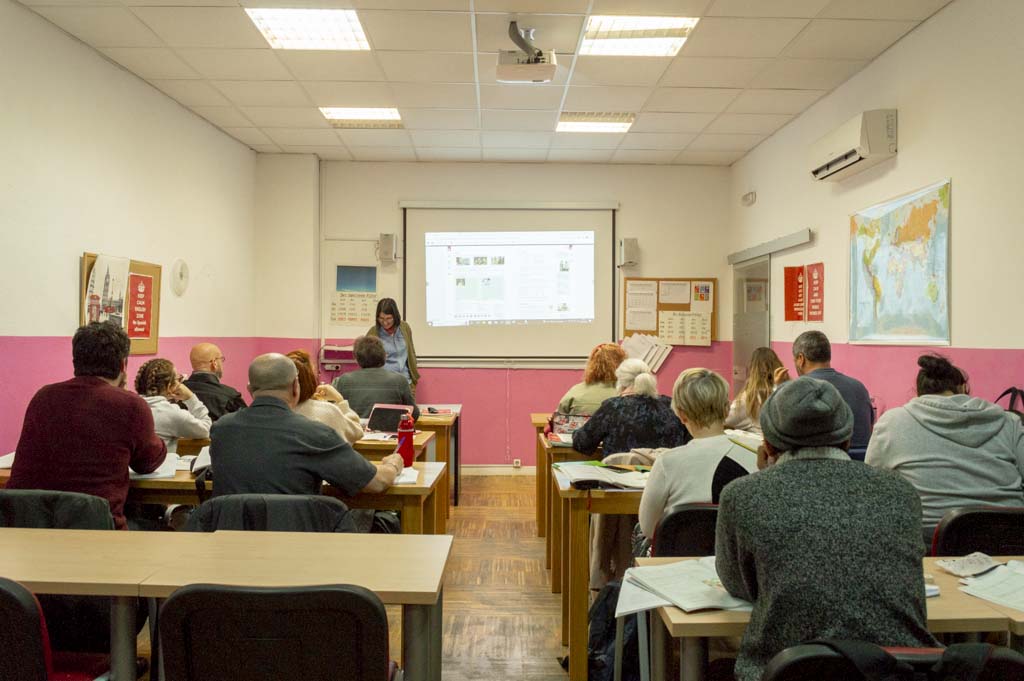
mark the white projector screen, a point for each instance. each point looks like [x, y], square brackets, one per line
[503, 283]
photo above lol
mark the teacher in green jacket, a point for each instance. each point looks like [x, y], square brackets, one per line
[396, 336]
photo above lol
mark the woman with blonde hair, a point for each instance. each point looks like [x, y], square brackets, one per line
[322, 402]
[745, 409]
[598, 381]
[160, 384]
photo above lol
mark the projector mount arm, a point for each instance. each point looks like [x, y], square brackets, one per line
[524, 41]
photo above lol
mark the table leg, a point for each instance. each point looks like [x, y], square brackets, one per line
[416, 642]
[1017, 642]
[693, 658]
[430, 509]
[543, 483]
[657, 633]
[563, 563]
[555, 539]
[456, 453]
[444, 453]
[579, 587]
[436, 637]
[643, 641]
[123, 650]
[441, 505]
[412, 515]
[156, 658]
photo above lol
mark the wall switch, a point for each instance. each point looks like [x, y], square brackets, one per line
[517, 463]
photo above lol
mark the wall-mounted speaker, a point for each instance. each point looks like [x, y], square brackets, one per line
[629, 252]
[388, 245]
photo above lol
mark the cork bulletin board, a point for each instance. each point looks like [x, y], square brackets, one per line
[134, 302]
[679, 310]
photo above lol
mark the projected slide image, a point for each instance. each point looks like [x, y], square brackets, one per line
[509, 277]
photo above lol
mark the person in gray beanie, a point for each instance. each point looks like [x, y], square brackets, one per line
[823, 546]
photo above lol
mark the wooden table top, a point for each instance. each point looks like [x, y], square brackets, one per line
[539, 420]
[434, 420]
[1016, 616]
[400, 569]
[419, 441]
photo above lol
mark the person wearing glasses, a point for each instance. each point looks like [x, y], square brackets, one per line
[396, 336]
[160, 384]
[207, 369]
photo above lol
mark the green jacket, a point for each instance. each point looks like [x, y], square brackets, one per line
[414, 374]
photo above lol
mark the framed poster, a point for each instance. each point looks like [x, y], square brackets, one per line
[126, 292]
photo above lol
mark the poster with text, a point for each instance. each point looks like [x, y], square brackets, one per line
[795, 291]
[139, 311]
[355, 295]
[815, 279]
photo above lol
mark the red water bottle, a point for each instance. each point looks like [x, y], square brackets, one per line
[406, 429]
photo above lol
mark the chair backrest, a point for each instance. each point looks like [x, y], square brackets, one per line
[272, 513]
[995, 530]
[61, 510]
[316, 633]
[686, 530]
[23, 637]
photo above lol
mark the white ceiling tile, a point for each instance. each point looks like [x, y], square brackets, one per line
[503, 119]
[436, 67]
[610, 99]
[445, 138]
[439, 119]
[375, 138]
[545, 97]
[710, 142]
[767, 8]
[102, 26]
[515, 155]
[151, 62]
[690, 99]
[235, 64]
[285, 117]
[434, 95]
[807, 74]
[750, 124]
[336, 93]
[587, 140]
[914, 10]
[712, 72]
[67, 3]
[487, 68]
[178, 3]
[263, 92]
[539, 6]
[580, 155]
[448, 154]
[553, 32]
[418, 31]
[331, 65]
[732, 37]
[679, 8]
[248, 135]
[383, 153]
[223, 27]
[608, 70]
[671, 122]
[847, 38]
[657, 140]
[644, 155]
[191, 92]
[303, 136]
[223, 116]
[325, 153]
[774, 101]
[509, 140]
[266, 148]
[439, 5]
[709, 158]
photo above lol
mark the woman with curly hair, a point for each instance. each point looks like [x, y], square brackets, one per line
[322, 402]
[598, 381]
[160, 384]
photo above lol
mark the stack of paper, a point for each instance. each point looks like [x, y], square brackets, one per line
[408, 476]
[168, 469]
[1003, 586]
[648, 348]
[689, 585]
[586, 474]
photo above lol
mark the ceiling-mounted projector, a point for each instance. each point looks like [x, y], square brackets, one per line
[528, 64]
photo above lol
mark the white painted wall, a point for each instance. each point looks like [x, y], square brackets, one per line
[956, 81]
[94, 159]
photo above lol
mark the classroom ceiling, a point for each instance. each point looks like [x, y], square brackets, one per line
[748, 68]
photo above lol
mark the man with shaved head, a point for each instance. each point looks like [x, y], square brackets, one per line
[207, 370]
[270, 449]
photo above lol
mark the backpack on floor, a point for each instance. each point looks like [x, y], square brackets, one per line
[601, 645]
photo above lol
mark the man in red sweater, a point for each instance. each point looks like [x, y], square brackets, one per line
[83, 434]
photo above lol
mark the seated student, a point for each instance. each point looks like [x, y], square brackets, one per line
[81, 435]
[697, 471]
[823, 546]
[159, 383]
[956, 450]
[638, 417]
[323, 403]
[744, 410]
[598, 381]
[269, 449]
[373, 384]
[207, 369]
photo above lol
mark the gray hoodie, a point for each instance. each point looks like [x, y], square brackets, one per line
[956, 451]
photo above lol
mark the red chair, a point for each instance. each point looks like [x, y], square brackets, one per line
[995, 530]
[686, 530]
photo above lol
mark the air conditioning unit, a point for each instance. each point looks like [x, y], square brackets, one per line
[861, 142]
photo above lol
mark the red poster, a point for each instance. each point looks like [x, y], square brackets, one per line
[139, 312]
[795, 287]
[816, 292]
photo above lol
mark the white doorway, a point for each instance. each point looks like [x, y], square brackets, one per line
[750, 320]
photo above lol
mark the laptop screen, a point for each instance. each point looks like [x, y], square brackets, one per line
[385, 417]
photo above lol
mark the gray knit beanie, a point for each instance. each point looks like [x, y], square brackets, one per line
[806, 413]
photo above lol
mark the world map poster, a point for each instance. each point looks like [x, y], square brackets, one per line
[899, 269]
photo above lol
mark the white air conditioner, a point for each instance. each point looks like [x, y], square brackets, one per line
[861, 142]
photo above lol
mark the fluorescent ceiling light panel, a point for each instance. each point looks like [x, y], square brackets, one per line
[342, 117]
[595, 122]
[310, 29]
[636, 36]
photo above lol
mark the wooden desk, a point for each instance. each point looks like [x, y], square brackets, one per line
[539, 422]
[402, 570]
[551, 455]
[447, 439]
[190, 447]
[375, 450]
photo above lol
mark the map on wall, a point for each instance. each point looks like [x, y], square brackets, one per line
[899, 269]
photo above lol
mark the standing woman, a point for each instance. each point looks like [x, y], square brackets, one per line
[396, 336]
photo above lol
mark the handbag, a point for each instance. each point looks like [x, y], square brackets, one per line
[566, 424]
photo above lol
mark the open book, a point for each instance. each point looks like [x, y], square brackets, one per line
[690, 585]
[594, 474]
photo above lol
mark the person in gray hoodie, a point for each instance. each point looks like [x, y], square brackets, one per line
[956, 450]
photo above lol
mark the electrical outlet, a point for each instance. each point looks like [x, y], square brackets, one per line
[517, 463]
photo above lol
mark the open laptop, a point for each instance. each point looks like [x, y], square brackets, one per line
[384, 418]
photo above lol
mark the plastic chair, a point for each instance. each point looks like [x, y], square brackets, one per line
[272, 513]
[995, 530]
[686, 530]
[317, 633]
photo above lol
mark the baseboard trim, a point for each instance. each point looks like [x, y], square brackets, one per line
[488, 469]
